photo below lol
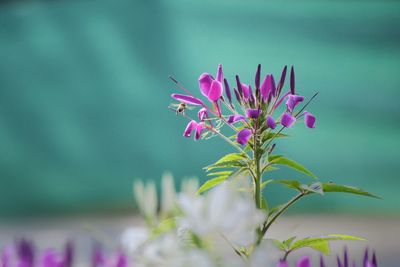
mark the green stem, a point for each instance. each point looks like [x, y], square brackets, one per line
[258, 179]
[257, 171]
[269, 222]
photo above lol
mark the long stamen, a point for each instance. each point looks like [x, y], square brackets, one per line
[186, 91]
[180, 86]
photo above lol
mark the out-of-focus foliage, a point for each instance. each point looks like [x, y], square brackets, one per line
[83, 87]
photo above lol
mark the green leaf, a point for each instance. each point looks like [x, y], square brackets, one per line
[211, 183]
[322, 247]
[346, 237]
[278, 244]
[288, 242]
[314, 188]
[291, 184]
[228, 161]
[226, 164]
[265, 183]
[281, 160]
[269, 168]
[230, 157]
[322, 243]
[270, 135]
[331, 187]
[222, 173]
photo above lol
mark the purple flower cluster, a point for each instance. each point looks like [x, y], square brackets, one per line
[23, 254]
[305, 261]
[253, 109]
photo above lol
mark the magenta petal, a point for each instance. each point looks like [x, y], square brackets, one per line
[271, 122]
[293, 101]
[243, 136]
[283, 263]
[199, 129]
[282, 80]
[202, 114]
[188, 99]
[268, 87]
[235, 118]
[220, 73]
[253, 113]
[227, 91]
[292, 81]
[257, 77]
[205, 81]
[215, 91]
[304, 261]
[287, 120]
[189, 128]
[309, 119]
[271, 84]
[245, 90]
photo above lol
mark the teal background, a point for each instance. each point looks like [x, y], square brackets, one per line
[84, 92]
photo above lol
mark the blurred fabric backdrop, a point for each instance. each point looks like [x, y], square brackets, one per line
[84, 91]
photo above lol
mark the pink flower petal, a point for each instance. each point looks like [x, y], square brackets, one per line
[271, 122]
[189, 128]
[220, 73]
[199, 129]
[215, 91]
[287, 120]
[188, 99]
[205, 81]
[243, 136]
[309, 119]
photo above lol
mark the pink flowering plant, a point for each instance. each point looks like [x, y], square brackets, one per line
[252, 118]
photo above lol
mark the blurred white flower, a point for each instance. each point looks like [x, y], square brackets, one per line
[222, 212]
[146, 198]
[168, 194]
[190, 185]
[265, 255]
[134, 237]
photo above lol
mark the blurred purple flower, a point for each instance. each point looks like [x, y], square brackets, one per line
[304, 261]
[243, 136]
[26, 252]
[99, 259]
[346, 263]
[283, 263]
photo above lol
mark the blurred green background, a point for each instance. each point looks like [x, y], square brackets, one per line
[84, 92]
